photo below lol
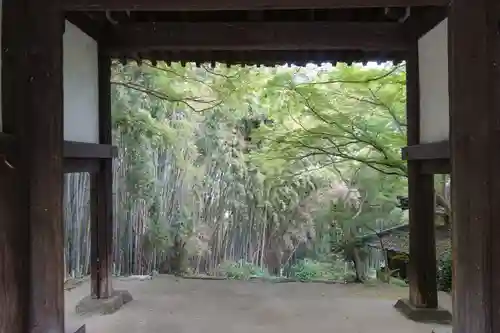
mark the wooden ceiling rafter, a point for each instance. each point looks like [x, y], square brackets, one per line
[256, 36]
[268, 32]
[209, 5]
[264, 58]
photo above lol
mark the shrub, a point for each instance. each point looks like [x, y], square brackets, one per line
[307, 270]
[240, 270]
[444, 272]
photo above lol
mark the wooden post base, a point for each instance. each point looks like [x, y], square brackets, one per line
[104, 306]
[424, 315]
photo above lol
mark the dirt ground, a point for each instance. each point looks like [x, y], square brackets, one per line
[167, 304]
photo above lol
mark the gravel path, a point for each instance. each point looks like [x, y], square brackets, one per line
[170, 305]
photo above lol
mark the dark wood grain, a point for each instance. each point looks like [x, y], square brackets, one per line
[94, 233]
[42, 143]
[246, 36]
[422, 266]
[71, 150]
[15, 253]
[82, 150]
[32, 230]
[7, 145]
[76, 165]
[187, 5]
[474, 49]
[102, 193]
[78, 156]
[427, 151]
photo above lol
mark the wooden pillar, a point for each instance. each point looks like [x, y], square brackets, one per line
[474, 50]
[422, 266]
[102, 193]
[31, 226]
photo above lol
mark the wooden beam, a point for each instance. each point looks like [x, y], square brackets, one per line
[247, 36]
[82, 150]
[202, 5]
[102, 193]
[14, 219]
[42, 142]
[423, 20]
[71, 149]
[77, 165]
[31, 221]
[427, 151]
[422, 267]
[474, 51]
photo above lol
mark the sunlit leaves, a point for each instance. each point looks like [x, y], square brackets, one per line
[190, 150]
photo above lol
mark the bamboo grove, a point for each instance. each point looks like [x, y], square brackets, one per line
[246, 164]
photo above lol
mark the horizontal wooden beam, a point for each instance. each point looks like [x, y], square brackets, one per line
[248, 36]
[82, 150]
[77, 165]
[427, 151]
[205, 5]
[78, 156]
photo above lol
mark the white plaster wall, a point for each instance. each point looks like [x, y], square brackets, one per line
[434, 97]
[81, 110]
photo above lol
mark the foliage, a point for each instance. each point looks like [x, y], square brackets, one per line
[445, 272]
[248, 167]
[240, 270]
[307, 270]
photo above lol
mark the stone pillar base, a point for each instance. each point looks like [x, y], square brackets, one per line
[104, 306]
[424, 315]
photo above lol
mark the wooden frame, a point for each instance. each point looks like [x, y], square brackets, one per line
[474, 50]
[427, 151]
[32, 112]
[101, 193]
[77, 165]
[82, 150]
[78, 156]
[187, 5]
[261, 36]
[30, 195]
[422, 268]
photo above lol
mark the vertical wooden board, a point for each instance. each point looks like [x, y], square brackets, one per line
[14, 257]
[475, 142]
[43, 145]
[94, 236]
[422, 267]
[32, 112]
[105, 176]
[14, 218]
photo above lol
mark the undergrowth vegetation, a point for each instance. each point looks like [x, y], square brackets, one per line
[445, 273]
